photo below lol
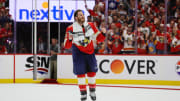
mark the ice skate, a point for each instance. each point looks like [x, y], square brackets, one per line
[83, 95]
[92, 94]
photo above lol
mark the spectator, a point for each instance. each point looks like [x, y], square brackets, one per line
[131, 8]
[41, 46]
[146, 2]
[112, 4]
[129, 39]
[141, 42]
[112, 29]
[3, 49]
[89, 19]
[161, 35]
[151, 20]
[22, 48]
[117, 45]
[53, 59]
[177, 13]
[100, 49]
[175, 45]
[96, 14]
[5, 28]
[115, 20]
[2, 3]
[145, 31]
[121, 9]
[151, 43]
[6, 31]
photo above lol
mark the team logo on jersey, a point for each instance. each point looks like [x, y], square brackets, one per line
[85, 42]
[178, 67]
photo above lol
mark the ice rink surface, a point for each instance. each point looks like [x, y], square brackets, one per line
[49, 92]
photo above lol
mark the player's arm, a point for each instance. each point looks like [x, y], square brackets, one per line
[100, 35]
[68, 38]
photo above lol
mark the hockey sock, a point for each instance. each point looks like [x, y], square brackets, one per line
[92, 84]
[82, 86]
[91, 79]
[81, 82]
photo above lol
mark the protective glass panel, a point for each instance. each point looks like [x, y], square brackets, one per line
[173, 26]
[151, 29]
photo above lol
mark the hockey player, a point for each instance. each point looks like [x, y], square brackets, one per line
[80, 37]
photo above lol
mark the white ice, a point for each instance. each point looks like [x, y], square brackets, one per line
[45, 92]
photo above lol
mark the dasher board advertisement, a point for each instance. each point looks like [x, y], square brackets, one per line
[128, 67]
[6, 66]
[25, 66]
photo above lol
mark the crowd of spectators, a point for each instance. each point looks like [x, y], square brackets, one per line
[151, 36]
[6, 44]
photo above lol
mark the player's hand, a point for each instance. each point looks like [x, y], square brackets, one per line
[103, 30]
[70, 37]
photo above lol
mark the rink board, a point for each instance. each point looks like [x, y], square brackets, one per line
[112, 69]
[127, 69]
[19, 68]
[6, 68]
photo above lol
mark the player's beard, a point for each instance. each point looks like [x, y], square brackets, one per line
[81, 20]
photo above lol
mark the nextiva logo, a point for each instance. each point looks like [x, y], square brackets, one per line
[137, 66]
[42, 64]
[178, 67]
[57, 13]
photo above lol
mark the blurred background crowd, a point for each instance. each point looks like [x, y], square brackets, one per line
[153, 35]
[6, 33]
[151, 29]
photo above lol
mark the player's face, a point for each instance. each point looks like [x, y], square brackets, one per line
[80, 17]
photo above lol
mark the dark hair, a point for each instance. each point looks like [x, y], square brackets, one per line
[76, 13]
